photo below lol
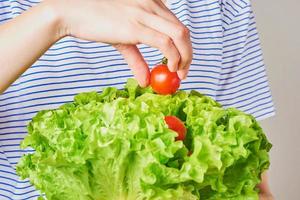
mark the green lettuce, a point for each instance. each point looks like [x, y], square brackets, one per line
[115, 145]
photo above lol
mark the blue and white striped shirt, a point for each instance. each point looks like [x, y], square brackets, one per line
[227, 65]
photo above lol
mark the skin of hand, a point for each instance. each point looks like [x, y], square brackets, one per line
[265, 192]
[121, 23]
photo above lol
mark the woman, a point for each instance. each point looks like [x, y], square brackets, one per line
[220, 36]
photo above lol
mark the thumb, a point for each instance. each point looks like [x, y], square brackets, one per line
[136, 62]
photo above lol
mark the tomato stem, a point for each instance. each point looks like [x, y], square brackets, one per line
[164, 61]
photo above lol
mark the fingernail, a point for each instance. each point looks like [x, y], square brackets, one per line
[172, 68]
[182, 75]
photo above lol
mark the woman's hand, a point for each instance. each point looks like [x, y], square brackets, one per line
[122, 23]
[265, 192]
[125, 23]
[265, 196]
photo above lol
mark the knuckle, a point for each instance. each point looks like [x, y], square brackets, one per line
[182, 32]
[166, 42]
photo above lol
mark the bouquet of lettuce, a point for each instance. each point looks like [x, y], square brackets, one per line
[116, 145]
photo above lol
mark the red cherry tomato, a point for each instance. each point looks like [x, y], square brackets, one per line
[177, 125]
[163, 81]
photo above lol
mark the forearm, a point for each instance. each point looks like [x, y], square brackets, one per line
[24, 39]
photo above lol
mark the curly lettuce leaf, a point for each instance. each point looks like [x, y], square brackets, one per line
[115, 145]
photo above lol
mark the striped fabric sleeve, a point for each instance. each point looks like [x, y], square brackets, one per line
[243, 82]
[5, 11]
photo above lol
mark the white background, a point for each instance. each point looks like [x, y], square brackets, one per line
[279, 27]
